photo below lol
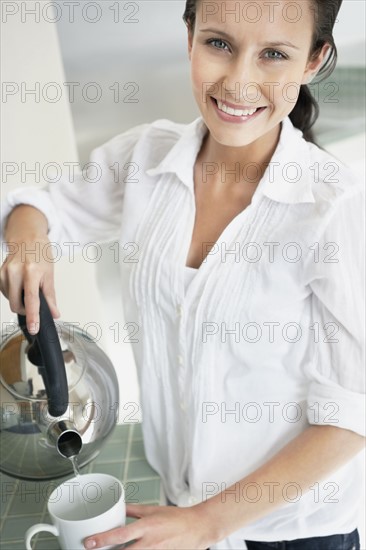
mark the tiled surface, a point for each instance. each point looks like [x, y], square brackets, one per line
[341, 100]
[23, 503]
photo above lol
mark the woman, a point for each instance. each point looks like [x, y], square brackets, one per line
[244, 280]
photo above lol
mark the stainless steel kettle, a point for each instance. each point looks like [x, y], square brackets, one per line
[59, 398]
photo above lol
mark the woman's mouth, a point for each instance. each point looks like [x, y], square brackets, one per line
[235, 115]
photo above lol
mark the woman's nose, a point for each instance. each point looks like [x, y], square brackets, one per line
[241, 85]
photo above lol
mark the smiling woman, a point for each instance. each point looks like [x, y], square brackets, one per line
[250, 363]
[278, 19]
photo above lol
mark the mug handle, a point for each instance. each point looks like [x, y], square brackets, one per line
[35, 529]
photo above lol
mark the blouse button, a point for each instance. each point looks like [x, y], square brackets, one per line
[192, 500]
[180, 359]
[179, 310]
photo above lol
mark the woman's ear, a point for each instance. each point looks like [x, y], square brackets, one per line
[314, 65]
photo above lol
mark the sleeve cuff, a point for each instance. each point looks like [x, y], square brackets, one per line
[336, 406]
[38, 198]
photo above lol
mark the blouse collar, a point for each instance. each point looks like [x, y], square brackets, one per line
[286, 179]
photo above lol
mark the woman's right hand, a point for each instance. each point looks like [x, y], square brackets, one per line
[29, 267]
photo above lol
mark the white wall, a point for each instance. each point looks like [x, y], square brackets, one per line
[349, 33]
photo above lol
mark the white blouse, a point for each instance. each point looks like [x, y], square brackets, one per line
[190, 272]
[237, 357]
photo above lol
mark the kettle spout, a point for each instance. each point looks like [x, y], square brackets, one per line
[66, 439]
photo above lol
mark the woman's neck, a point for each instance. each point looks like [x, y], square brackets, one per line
[230, 165]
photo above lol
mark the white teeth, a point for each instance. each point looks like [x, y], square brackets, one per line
[235, 112]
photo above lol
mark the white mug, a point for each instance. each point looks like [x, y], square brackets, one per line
[80, 507]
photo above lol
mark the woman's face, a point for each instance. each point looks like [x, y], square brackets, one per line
[239, 55]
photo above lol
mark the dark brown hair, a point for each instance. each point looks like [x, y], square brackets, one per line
[306, 110]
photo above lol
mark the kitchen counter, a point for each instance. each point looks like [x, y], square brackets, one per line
[24, 503]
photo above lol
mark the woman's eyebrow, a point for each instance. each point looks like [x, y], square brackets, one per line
[272, 44]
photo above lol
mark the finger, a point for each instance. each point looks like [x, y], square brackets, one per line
[31, 302]
[4, 283]
[15, 285]
[139, 510]
[50, 295]
[114, 536]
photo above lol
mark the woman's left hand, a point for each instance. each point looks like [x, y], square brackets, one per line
[158, 527]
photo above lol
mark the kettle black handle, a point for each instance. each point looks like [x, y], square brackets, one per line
[45, 352]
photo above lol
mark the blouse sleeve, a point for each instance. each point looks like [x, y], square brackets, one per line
[337, 372]
[85, 206]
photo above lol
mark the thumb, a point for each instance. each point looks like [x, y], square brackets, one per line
[139, 510]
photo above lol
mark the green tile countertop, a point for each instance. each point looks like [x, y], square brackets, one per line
[24, 503]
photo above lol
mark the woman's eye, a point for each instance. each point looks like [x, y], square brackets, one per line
[220, 45]
[280, 58]
[217, 40]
